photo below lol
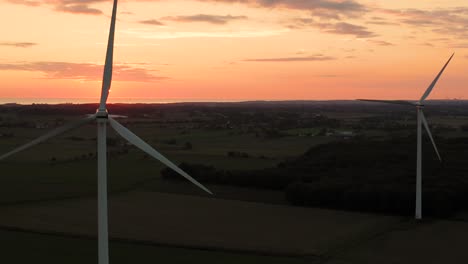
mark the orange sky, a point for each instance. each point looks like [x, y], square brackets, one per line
[235, 50]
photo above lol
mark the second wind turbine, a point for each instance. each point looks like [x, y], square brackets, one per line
[421, 120]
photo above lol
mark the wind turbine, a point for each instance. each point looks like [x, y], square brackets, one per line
[421, 120]
[102, 117]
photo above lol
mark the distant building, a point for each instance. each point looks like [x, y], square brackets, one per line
[342, 134]
[42, 125]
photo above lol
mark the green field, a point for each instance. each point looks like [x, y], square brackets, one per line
[66, 166]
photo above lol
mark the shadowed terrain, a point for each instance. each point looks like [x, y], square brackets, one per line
[294, 182]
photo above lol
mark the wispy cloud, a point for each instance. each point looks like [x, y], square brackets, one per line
[82, 71]
[463, 45]
[25, 2]
[213, 19]
[427, 44]
[68, 6]
[151, 34]
[346, 29]
[153, 22]
[341, 28]
[18, 44]
[447, 21]
[380, 42]
[293, 59]
[381, 22]
[320, 8]
[78, 9]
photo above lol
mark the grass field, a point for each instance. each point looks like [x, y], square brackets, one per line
[207, 144]
[202, 222]
[430, 242]
[32, 175]
[26, 247]
[151, 227]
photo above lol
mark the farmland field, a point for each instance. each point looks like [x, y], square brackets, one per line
[55, 249]
[48, 192]
[153, 227]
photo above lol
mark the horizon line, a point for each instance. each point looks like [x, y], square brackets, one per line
[143, 100]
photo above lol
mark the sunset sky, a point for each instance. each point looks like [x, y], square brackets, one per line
[235, 49]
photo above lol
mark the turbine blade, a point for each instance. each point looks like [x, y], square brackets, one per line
[430, 135]
[399, 102]
[431, 86]
[107, 77]
[51, 134]
[138, 142]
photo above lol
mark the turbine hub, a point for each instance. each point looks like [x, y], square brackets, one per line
[102, 113]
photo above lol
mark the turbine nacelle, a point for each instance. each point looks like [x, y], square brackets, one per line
[102, 113]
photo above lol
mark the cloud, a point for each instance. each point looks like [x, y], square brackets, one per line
[78, 9]
[341, 28]
[381, 22]
[320, 8]
[346, 29]
[213, 19]
[293, 59]
[380, 42]
[447, 21]
[18, 44]
[152, 22]
[67, 6]
[24, 2]
[145, 33]
[82, 71]
[427, 44]
[460, 46]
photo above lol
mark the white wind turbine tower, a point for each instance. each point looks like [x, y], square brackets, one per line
[102, 117]
[421, 120]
